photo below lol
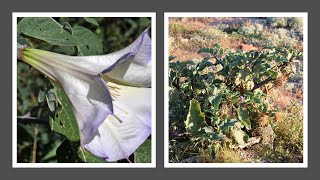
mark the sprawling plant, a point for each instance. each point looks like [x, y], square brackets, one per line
[220, 99]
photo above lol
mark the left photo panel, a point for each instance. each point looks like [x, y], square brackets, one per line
[83, 90]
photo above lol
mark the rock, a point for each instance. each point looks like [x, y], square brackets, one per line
[267, 135]
[251, 141]
[247, 47]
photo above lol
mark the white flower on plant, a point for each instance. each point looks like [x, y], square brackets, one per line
[110, 94]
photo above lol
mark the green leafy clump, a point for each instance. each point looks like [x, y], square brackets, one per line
[225, 93]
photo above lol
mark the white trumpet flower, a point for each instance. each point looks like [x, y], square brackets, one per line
[110, 94]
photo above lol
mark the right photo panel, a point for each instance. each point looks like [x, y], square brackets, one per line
[236, 90]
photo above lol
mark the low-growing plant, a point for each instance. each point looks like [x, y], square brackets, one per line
[284, 31]
[218, 102]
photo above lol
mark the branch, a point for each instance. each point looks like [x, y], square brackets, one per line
[218, 61]
[176, 84]
[262, 83]
[27, 120]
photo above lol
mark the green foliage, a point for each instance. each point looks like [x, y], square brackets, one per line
[34, 135]
[225, 95]
[244, 118]
[240, 136]
[64, 121]
[195, 120]
[143, 153]
[90, 43]
[92, 20]
[119, 32]
[47, 29]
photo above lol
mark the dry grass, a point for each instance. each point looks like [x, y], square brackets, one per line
[187, 36]
[281, 98]
[203, 20]
[224, 155]
[287, 125]
[263, 120]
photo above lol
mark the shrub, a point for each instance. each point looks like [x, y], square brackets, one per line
[213, 105]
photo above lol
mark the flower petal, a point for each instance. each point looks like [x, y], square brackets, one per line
[88, 94]
[135, 70]
[122, 133]
[91, 102]
[93, 65]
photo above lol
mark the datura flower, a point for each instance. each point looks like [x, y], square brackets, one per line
[110, 94]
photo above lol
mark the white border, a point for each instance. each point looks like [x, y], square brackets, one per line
[304, 15]
[14, 92]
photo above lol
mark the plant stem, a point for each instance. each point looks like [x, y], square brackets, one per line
[35, 140]
[27, 120]
[262, 83]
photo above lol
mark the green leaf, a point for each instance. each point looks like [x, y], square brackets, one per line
[240, 136]
[214, 115]
[203, 64]
[244, 118]
[235, 63]
[216, 101]
[217, 46]
[66, 26]
[217, 137]
[235, 99]
[143, 153]
[244, 73]
[92, 21]
[52, 152]
[41, 96]
[67, 50]
[208, 129]
[261, 68]
[91, 44]
[87, 157]
[64, 122]
[172, 57]
[52, 100]
[212, 151]
[205, 50]
[273, 74]
[23, 41]
[195, 119]
[227, 125]
[48, 30]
